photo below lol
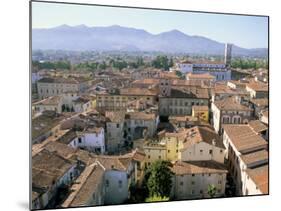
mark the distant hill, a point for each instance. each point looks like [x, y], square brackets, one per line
[116, 37]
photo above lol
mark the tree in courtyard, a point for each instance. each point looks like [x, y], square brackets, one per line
[158, 179]
[212, 190]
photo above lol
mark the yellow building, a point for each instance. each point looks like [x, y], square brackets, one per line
[201, 112]
[167, 146]
[154, 151]
[172, 144]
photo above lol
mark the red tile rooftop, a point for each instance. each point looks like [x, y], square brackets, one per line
[244, 138]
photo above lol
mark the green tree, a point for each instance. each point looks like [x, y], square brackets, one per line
[158, 179]
[212, 190]
[178, 73]
[102, 66]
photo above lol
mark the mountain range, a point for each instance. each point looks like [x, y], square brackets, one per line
[118, 38]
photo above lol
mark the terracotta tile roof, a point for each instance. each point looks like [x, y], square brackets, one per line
[115, 116]
[138, 155]
[138, 91]
[81, 100]
[255, 157]
[199, 134]
[230, 103]
[61, 149]
[244, 138]
[258, 86]
[182, 118]
[257, 126]
[265, 113]
[148, 81]
[85, 185]
[260, 101]
[171, 75]
[220, 88]
[189, 92]
[115, 162]
[200, 76]
[70, 80]
[198, 167]
[70, 153]
[45, 122]
[54, 100]
[140, 115]
[260, 177]
[68, 137]
[48, 167]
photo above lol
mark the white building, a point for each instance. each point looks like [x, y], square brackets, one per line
[47, 87]
[202, 144]
[91, 139]
[50, 171]
[138, 123]
[192, 179]
[247, 151]
[53, 103]
[230, 111]
[185, 67]
[220, 70]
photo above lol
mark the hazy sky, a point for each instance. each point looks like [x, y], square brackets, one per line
[244, 31]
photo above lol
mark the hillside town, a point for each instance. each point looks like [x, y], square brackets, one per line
[98, 135]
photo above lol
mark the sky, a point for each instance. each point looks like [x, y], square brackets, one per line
[244, 31]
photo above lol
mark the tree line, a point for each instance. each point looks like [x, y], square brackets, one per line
[161, 62]
[249, 63]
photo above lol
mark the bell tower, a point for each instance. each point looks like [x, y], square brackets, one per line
[165, 87]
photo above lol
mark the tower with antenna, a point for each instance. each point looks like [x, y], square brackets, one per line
[227, 54]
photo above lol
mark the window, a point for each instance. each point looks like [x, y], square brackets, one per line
[221, 151]
[107, 183]
[219, 190]
[201, 151]
[148, 156]
[168, 151]
[209, 175]
[192, 183]
[210, 152]
[193, 175]
[120, 183]
[79, 140]
[181, 183]
[117, 125]
[201, 191]
[159, 157]
[219, 182]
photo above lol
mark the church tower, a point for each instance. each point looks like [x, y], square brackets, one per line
[165, 87]
[227, 54]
